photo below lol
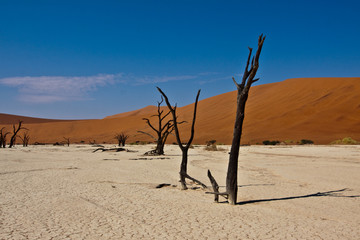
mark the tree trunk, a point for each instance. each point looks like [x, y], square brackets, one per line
[231, 178]
[160, 147]
[242, 96]
[183, 168]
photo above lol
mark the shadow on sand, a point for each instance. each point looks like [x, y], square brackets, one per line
[335, 193]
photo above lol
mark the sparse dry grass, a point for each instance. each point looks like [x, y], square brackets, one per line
[345, 141]
[214, 147]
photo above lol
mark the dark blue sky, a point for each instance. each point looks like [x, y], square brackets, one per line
[90, 59]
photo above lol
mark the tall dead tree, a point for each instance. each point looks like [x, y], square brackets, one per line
[242, 95]
[15, 132]
[3, 135]
[162, 131]
[121, 137]
[25, 139]
[184, 149]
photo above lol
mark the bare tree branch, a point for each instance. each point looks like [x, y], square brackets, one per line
[214, 185]
[25, 139]
[148, 134]
[148, 122]
[193, 122]
[15, 132]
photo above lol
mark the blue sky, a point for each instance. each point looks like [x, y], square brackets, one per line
[90, 59]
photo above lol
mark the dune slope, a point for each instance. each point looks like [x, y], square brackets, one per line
[319, 109]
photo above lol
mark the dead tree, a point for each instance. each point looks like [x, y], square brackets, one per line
[25, 139]
[15, 132]
[110, 149]
[3, 137]
[67, 141]
[121, 137]
[184, 149]
[242, 95]
[162, 131]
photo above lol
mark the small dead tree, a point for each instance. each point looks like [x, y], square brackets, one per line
[121, 137]
[184, 149]
[25, 139]
[67, 141]
[3, 135]
[15, 132]
[162, 131]
[242, 95]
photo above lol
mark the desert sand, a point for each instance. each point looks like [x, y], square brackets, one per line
[319, 109]
[285, 192]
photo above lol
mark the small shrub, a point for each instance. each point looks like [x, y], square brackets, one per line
[211, 146]
[349, 140]
[289, 141]
[346, 141]
[211, 142]
[267, 142]
[306, 141]
[138, 143]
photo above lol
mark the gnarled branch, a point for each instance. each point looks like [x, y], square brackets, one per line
[15, 132]
[214, 185]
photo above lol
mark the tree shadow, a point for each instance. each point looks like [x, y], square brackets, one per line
[252, 185]
[334, 193]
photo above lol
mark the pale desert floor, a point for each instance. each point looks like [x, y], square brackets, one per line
[285, 192]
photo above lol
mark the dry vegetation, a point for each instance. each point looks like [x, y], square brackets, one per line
[346, 141]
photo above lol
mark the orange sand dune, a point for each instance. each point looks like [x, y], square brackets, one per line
[148, 110]
[14, 119]
[319, 109]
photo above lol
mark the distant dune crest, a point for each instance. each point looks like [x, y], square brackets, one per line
[12, 119]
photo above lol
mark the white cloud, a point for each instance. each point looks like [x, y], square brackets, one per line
[161, 79]
[43, 98]
[50, 89]
[214, 79]
[203, 77]
[45, 89]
